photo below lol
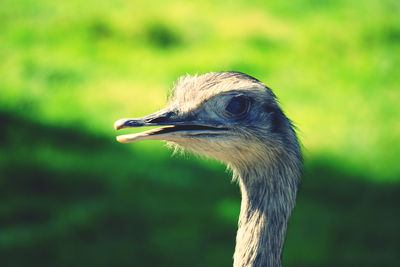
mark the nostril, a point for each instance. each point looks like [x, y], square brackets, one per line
[158, 120]
[161, 118]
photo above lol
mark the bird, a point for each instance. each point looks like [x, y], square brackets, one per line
[235, 118]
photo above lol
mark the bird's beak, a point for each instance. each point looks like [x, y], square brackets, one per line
[174, 127]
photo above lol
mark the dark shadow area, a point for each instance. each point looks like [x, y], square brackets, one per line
[343, 219]
[69, 198]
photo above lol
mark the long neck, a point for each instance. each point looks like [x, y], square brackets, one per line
[267, 202]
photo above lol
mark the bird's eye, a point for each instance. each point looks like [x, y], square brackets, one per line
[237, 105]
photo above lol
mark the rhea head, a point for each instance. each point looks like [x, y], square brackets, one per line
[236, 119]
[230, 116]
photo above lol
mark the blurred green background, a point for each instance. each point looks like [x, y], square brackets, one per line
[70, 195]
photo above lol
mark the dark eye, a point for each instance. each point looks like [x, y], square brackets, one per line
[237, 106]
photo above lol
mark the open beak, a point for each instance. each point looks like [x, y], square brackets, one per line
[173, 127]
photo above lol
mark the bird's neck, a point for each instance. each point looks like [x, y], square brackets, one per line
[267, 202]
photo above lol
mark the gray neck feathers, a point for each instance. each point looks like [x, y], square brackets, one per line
[268, 197]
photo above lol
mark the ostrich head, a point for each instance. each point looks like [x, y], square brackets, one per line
[227, 115]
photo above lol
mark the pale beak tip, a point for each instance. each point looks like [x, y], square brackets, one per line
[121, 139]
[119, 124]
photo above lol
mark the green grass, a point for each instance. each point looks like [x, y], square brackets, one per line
[68, 70]
[332, 64]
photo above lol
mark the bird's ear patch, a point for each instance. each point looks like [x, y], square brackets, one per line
[277, 118]
[269, 108]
